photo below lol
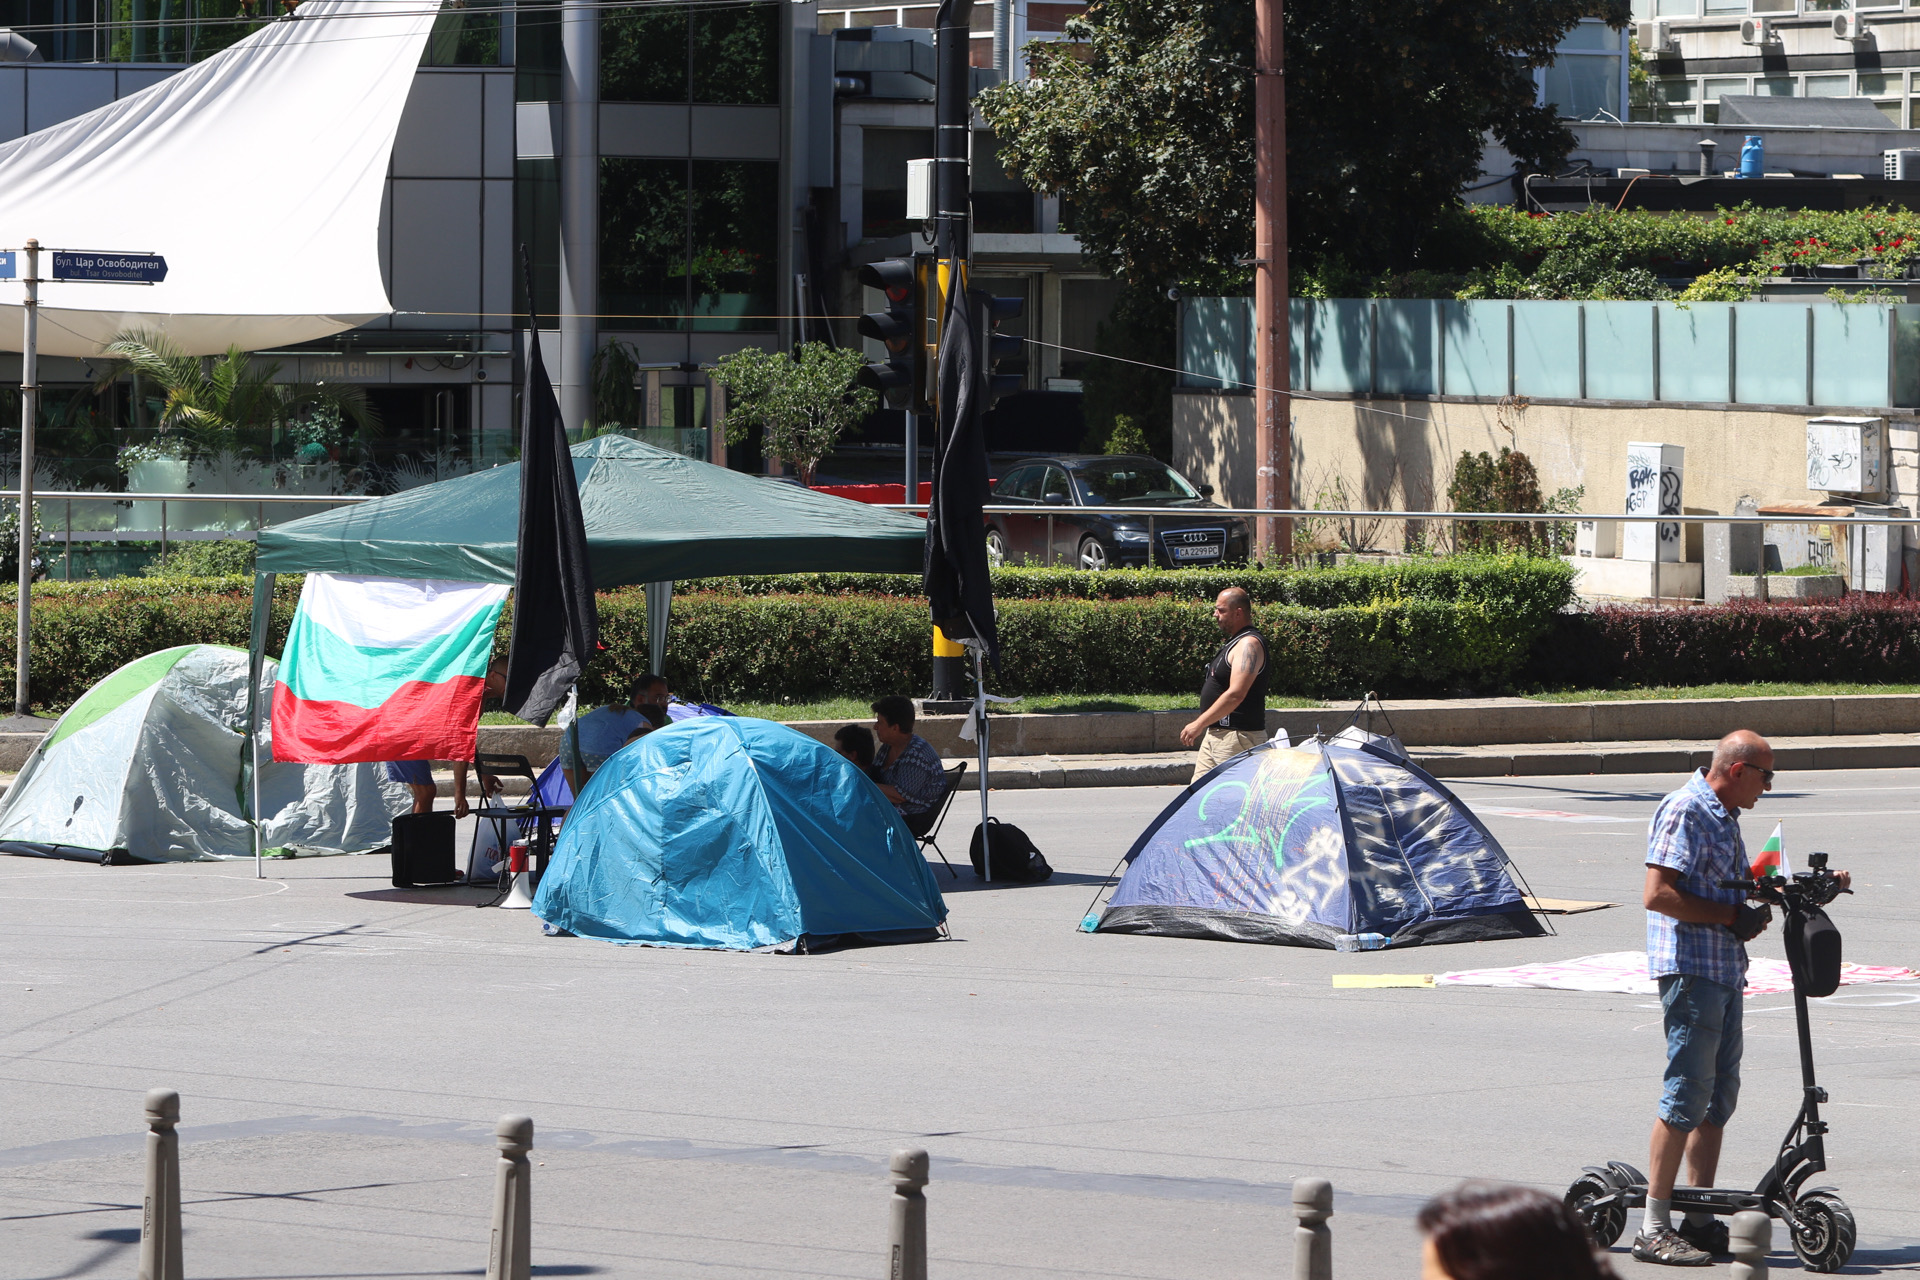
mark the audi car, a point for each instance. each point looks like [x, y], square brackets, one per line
[1063, 487]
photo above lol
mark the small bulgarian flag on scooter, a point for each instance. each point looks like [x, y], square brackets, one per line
[1773, 856]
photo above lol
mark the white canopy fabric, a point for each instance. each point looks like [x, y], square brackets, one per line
[258, 175]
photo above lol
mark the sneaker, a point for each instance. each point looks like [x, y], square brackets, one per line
[1668, 1248]
[1712, 1236]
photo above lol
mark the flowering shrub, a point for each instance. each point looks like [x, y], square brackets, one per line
[1490, 251]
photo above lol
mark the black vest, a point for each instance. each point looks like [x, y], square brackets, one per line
[1251, 714]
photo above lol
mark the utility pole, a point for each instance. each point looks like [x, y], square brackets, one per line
[1272, 378]
[579, 208]
[24, 543]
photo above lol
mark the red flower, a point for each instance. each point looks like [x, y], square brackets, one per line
[1729, 221]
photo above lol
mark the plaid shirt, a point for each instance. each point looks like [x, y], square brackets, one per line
[1694, 834]
[916, 774]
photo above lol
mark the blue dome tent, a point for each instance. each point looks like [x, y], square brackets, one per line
[737, 833]
[1329, 844]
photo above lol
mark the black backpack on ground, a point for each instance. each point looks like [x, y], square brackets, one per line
[1015, 859]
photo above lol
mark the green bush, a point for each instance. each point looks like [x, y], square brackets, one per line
[1519, 580]
[1419, 627]
[774, 646]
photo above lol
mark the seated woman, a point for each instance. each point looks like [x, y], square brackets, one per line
[855, 742]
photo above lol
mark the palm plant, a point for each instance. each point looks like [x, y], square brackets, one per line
[229, 402]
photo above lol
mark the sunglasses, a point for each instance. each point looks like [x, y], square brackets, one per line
[1764, 773]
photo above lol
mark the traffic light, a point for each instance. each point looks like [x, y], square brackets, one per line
[989, 314]
[902, 377]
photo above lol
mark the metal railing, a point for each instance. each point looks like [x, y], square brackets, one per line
[67, 536]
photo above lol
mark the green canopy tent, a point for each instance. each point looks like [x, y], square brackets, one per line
[652, 517]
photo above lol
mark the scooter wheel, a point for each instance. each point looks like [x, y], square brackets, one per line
[1609, 1220]
[1825, 1241]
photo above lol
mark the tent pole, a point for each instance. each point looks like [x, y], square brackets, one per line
[256, 663]
[980, 720]
[659, 610]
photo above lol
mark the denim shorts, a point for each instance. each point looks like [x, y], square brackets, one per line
[415, 773]
[1703, 1051]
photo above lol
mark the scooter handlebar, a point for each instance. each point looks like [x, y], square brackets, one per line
[1812, 888]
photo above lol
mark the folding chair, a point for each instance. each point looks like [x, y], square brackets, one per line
[932, 819]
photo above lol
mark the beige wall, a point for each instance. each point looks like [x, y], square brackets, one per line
[1399, 454]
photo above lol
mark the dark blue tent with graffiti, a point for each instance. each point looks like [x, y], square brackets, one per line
[1328, 844]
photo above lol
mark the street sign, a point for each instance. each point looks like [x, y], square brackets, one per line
[6, 264]
[112, 268]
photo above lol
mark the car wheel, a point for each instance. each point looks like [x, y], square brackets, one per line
[996, 548]
[1093, 554]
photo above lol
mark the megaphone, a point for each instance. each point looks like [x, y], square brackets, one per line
[519, 896]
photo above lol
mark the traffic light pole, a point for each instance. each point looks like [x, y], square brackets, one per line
[952, 108]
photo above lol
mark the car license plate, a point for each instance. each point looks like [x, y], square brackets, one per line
[1196, 553]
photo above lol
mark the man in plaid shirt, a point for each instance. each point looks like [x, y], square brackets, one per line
[1696, 933]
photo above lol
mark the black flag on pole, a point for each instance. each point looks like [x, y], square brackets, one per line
[959, 587]
[555, 626]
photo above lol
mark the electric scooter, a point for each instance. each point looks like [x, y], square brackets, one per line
[1819, 1222]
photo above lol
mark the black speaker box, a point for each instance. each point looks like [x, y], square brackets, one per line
[423, 850]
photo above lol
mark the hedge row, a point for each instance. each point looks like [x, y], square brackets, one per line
[1526, 581]
[740, 647]
[1865, 638]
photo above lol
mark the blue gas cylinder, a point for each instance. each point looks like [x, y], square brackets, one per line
[1753, 157]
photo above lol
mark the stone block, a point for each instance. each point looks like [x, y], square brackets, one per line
[1637, 579]
[1876, 713]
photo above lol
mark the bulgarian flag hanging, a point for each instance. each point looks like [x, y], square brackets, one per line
[384, 669]
[1773, 855]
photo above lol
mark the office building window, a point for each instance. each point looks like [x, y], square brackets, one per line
[536, 70]
[883, 178]
[999, 203]
[688, 244]
[536, 224]
[708, 54]
[466, 37]
[735, 227]
[1587, 78]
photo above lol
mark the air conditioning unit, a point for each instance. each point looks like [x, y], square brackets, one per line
[1850, 27]
[1758, 31]
[1654, 39]
[1900, 166]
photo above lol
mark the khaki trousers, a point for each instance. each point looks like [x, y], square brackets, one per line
[1220, 745]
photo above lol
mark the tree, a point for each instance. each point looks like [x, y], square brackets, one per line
[1143, 122]
[803, 403]
[228, 402]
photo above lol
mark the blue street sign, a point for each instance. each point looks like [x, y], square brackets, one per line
[6, 264]
[114, 268]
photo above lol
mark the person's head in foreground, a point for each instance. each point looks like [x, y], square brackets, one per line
[1233, 611]
[650, 691]
[855, 742]
[1486, 1231]
[893, 720]
[1742, 769]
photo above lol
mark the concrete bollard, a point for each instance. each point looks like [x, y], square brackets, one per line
[160, 1214]
[907, 1235]
[511, 1254]
[1750, 1236]
[1312, 1240]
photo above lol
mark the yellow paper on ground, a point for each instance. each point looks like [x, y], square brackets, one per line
[1382, 980]
[1562, 906]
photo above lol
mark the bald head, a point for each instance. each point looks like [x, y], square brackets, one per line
[1233, 610]
[1742, 769]
[1742, 746]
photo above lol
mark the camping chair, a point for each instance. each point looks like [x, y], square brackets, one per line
[932, 819]
[537, 800]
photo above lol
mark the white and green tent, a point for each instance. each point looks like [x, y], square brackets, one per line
[148, 766]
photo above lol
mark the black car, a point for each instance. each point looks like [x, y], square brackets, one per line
[1063, 486]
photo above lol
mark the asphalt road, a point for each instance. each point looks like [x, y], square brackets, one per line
[1094, 1105]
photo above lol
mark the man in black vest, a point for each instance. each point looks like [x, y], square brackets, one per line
[1233, 696]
